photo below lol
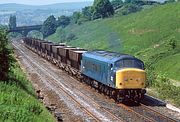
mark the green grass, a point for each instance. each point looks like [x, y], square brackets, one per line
[18, 102]
[172, 68]
[165, 90]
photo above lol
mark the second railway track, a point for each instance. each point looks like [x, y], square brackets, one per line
[147, 113]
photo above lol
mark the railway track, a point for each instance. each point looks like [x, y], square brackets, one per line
[157, 115]
[63, 88]
[148, 114]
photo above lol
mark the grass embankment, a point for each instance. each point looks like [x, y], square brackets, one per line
[150, 35]
[18, 102]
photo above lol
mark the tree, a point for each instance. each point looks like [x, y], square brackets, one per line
[12, 22]
[117, 4]
[63, 21]
[49, 26]
[6, 59]
[75, 17]
[129, 1]
[87, 12]
[170, 1]
[130, 8]
[35, 34]
[102, 9]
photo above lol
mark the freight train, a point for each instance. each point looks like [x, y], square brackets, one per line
[119, 76]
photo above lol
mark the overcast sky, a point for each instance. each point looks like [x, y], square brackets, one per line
[39, 2]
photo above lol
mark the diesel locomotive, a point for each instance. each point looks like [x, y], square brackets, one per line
[119, 76]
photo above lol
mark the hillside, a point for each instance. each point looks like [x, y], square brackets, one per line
[146, 34]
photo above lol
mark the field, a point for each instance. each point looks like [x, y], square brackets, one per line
[152, 35]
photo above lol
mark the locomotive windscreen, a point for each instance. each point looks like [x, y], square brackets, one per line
[129, 63]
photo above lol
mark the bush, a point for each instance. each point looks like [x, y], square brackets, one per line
[130, 8]
[172, 43]
[167, 91]
[6, 59]
[71, 36]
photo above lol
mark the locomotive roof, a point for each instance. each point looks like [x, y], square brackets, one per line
[108, 56]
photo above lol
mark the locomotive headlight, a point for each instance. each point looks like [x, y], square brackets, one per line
[142, 84]
[112, 78]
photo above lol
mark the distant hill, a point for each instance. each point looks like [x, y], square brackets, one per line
[34, 15]
[60, 6]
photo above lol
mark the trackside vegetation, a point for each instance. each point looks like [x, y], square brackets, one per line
[18, 101]
[152, 35]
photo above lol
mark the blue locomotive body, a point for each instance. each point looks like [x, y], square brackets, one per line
[99, 66]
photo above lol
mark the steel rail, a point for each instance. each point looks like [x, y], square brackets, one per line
[168, 119]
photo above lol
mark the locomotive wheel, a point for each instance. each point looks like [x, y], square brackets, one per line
[108, 92]
[99, 88]
[119, 98]
[103, 89]
[111, 94]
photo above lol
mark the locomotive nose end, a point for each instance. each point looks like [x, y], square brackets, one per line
[130, 78]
